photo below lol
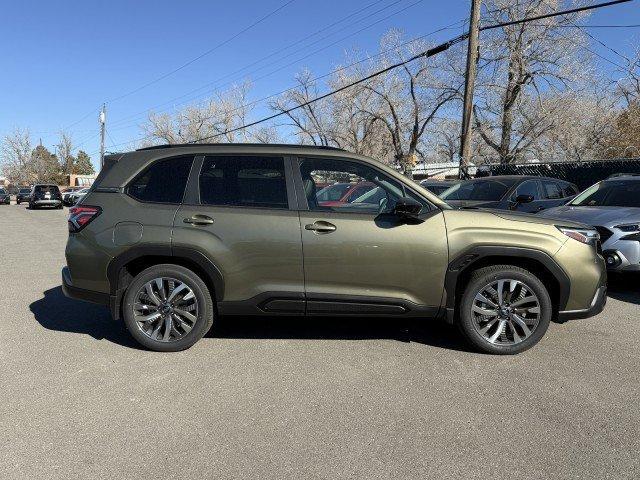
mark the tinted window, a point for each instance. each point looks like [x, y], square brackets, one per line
[568, 190]
[46, 189]
[551, 190]
[25, 190]
[163, 182]
[244, 181]
[610, 194]
[374, 192]
[530, 187]
[484, 190]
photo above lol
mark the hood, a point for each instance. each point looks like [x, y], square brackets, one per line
[533, 218]
[605, 216]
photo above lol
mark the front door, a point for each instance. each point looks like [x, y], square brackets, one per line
[242, 221]
[357, 253]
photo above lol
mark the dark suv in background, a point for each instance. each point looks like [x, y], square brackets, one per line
[171, 237]
[45, 195]
[23, 195]
[511, 192]
[5, 197]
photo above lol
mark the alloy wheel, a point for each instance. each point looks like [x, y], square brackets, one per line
[505, 312]
[165, 309]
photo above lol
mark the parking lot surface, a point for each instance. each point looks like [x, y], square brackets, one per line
[301, 398]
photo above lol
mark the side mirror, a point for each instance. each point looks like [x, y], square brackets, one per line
[524, 199]
[407, 207]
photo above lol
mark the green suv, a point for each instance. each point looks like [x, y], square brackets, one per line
[172, 237]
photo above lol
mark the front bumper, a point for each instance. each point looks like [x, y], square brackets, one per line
[597, 305]
[80, 293]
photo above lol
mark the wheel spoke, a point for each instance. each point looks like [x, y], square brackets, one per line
[176, 291]
[185, 326]
[525, 328]
[488, 326]
[484, 311]
[167, 328]
[151, 294]
[160, 286]
[481, 298]
[516, 337]
[524, 300]
[183, 313]
[498, 331]
[500, 292]
[148, 318]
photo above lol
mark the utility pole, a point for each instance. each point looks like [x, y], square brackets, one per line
[469, 82]
[102, 118]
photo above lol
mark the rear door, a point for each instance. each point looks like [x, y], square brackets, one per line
[239, 213]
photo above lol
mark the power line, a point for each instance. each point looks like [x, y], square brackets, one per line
[332, 72]
[281, 67]
[427, 53]
[195, 59]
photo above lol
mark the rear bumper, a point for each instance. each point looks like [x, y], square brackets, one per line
[80, 293]
[597, 305]
[47, 202]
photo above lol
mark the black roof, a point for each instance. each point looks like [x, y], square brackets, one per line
[239, 145]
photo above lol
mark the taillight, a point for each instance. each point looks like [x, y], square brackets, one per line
[81, 216]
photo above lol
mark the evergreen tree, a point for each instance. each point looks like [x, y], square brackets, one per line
[82, 164]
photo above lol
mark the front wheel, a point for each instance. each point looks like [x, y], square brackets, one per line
[168, 308]
[504, 310]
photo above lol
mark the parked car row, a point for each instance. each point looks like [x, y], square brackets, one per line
[45, 195]
[611, 206]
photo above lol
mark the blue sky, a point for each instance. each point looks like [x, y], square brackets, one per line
[61, 60]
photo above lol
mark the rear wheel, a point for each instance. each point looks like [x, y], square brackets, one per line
[504, 310]
[168, 308]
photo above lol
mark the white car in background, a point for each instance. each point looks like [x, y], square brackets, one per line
[77, 196]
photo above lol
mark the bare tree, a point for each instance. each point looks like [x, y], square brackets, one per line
[16, 157]
[215, 119]
[520, 64]
[65, 150]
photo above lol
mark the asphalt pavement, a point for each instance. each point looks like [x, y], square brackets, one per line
[295, 398]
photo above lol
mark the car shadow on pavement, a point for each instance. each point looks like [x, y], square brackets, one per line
[54, 311]
[624, 287]
[430, 332]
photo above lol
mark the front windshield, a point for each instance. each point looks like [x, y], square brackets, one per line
[610, 194]
[483, 190]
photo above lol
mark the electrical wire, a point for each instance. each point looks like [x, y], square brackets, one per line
[202, 55]
[305, 48]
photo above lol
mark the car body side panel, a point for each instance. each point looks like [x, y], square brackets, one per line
[376, 257]
[256, 250]
[155, 220]
[586, 273]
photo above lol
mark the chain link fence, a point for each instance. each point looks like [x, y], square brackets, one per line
[582, 174]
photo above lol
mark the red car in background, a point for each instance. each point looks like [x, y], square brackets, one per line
[341, 193]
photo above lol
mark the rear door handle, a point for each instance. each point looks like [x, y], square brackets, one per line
[199, 220]
[320, 227]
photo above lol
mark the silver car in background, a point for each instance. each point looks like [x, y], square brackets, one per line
[613, 208]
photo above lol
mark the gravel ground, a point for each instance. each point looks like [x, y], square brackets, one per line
[301, 398]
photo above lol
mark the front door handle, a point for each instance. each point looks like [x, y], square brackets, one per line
[320, 227]
[199, 220]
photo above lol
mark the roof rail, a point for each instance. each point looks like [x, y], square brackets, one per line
[239, 145]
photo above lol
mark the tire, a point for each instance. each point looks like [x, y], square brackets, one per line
[184, 338]
[531, 306]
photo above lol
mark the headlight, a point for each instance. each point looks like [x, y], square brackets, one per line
[628, 227]
[583, 235]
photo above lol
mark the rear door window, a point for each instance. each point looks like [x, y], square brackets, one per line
[162, 182]
[529, 187]
[244, 181]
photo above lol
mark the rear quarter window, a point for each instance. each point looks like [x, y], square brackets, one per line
[162, 182]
